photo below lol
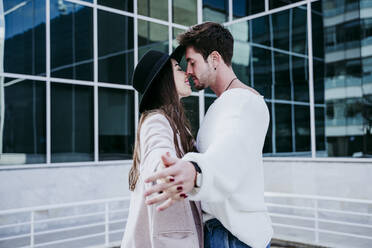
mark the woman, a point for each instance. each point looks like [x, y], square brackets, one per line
[163, 128]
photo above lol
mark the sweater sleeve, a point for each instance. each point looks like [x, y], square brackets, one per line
[156, 139]
[231, 157]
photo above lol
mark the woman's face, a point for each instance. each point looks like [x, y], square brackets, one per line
[181, 80]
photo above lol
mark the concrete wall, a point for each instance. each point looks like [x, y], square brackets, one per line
[319, 177]
[42, 186]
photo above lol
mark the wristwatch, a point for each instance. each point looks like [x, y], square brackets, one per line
[198, 179]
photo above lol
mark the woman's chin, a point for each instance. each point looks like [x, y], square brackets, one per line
[186, 94]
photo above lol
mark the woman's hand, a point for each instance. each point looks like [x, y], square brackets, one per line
[176, 180]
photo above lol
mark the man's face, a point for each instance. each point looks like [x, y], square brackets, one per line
[198, 69]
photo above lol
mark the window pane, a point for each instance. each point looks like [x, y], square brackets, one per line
[317, 30]
[300, 78]
[262, 71]
[243, 8]
[241, 61]
[302, 128]
[71, 36]
[191, 105]
[176, 32]
[298, 18]
[320, 131]
[126, 5]
[261, 31]
[285, 30]
[115, 48]
[72, 123]
[215, 10]
[116, 123]
[23, 133]
[280, 22]
[153, 8]
[152, 36]
[319, 70]
[185, 14]
[280, 3]
[24, 37]
[283, 128]
[282, 77]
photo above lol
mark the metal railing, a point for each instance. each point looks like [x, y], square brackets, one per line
[64, 228]
[314, 220]
[325, 221]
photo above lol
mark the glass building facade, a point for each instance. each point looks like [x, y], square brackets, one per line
[66, 68]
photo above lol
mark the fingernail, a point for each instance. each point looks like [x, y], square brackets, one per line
[179, 188]
[171, 179]
[183, 195]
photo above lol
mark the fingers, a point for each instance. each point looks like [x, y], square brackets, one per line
[175, 191]
[169, 179]
[159, 198]
[158, 187]
[179, 196]
[168, 160]
[170, 201]
[160, 174]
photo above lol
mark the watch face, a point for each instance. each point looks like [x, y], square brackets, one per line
[198, 180]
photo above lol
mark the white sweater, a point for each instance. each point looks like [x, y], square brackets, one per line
[230, 142]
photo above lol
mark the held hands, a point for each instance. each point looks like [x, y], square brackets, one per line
[173, 182]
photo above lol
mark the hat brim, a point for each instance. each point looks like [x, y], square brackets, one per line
[145, 97]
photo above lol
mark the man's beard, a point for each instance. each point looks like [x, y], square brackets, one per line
[199, 86]
[203, 78]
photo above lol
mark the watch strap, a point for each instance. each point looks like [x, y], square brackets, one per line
[196, 166]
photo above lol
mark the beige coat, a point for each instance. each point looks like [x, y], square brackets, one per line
[178, 226]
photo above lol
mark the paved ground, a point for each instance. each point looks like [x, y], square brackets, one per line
[277, 243]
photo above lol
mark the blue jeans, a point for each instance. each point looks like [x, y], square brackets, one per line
[217, 236]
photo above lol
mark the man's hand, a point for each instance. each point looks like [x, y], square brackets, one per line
[177, 180]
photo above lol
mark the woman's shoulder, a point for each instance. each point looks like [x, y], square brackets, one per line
[155, 116]
[155, 120]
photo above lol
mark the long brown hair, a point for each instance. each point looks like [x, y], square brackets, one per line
[164, 100]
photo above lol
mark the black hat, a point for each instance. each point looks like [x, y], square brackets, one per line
[148, 68]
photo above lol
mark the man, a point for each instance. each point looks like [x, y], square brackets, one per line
[227, 173]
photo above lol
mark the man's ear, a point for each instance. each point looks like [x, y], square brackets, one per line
[215, 58]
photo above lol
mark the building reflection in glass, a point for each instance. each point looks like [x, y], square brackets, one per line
[271, 56]
[347, 76]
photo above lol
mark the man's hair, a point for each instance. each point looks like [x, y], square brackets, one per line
[208, 37]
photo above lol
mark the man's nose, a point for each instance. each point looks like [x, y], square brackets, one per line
[188, 71]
